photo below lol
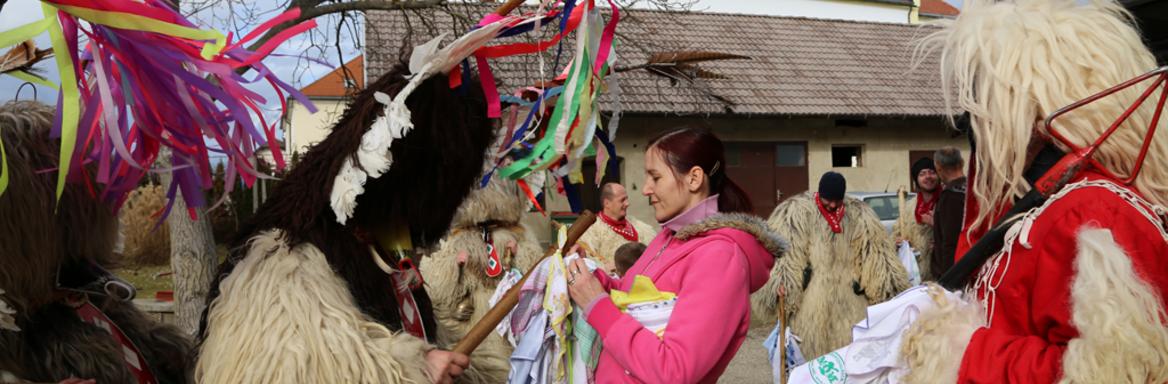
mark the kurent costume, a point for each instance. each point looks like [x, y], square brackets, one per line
[1064, 279]
[486, 242]
[602, 239]
[839, 263]
[312, 291]
[61, 314]
[909, 224]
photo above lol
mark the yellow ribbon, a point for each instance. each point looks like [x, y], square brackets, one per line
[70, 97]
[22, 33]
[32, 79]
[145, 24]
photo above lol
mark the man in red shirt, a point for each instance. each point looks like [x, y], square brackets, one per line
[1077, 292]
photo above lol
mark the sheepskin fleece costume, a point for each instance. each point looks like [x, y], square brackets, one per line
[919, 236]
[456, 277]
[300, 298]
[600, 241]
[41, 338]
[822, 270]
[1079, 297]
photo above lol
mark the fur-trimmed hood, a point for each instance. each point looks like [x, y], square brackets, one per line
[760, 244]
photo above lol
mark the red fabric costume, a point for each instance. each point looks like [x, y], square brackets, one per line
[1029, 317]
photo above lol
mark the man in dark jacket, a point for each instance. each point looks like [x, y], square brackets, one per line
[947, 217]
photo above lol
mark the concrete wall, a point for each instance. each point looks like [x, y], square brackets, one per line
[839, 9]
[885, 158]
[304, 128]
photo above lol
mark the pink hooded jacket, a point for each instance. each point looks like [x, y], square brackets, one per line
[712, 264]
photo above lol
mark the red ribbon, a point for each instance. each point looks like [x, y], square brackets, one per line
[523, 48]
[530, 196]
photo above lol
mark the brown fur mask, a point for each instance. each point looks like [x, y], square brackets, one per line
[35, 240]
[37, 236]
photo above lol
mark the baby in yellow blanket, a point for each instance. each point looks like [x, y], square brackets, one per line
[646, 304]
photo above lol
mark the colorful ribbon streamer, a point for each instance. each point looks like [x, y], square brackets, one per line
[150, 79]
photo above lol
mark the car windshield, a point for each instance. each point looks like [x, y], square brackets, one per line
[886, 207]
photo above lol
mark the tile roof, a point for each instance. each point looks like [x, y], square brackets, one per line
[333, 84]
[938, 8]
[800, 66]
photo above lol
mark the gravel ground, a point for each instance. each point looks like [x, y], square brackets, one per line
[750, 365]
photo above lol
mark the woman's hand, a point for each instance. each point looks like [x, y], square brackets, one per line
[578, 250]
[444, 366]
[582, 285]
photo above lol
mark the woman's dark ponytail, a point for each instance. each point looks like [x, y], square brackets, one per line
[733, 199]
[686, 148]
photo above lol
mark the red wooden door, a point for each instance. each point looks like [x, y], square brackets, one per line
[751, 165]
[791, 176]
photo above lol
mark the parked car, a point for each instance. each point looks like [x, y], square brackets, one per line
[886, 205]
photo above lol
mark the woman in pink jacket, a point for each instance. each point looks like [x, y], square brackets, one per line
[711, 252]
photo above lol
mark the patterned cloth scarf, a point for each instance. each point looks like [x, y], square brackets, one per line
[924, 207]
[623, 227]
[834, 219]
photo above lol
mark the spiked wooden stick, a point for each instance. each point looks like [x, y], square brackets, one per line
[782, 339]
[487, 324]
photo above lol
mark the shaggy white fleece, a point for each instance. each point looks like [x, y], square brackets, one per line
[1120, 318]
[285, 317]
[823, 314]
[935, 343]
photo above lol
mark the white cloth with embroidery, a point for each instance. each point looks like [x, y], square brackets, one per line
[546, 352]
[504, 328]
[872, 356]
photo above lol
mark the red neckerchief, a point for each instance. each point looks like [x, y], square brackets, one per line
[833, 218]
[924, 207]
[624, 227]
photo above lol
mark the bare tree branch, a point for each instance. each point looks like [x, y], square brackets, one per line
[367, 5]
[311, 9]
